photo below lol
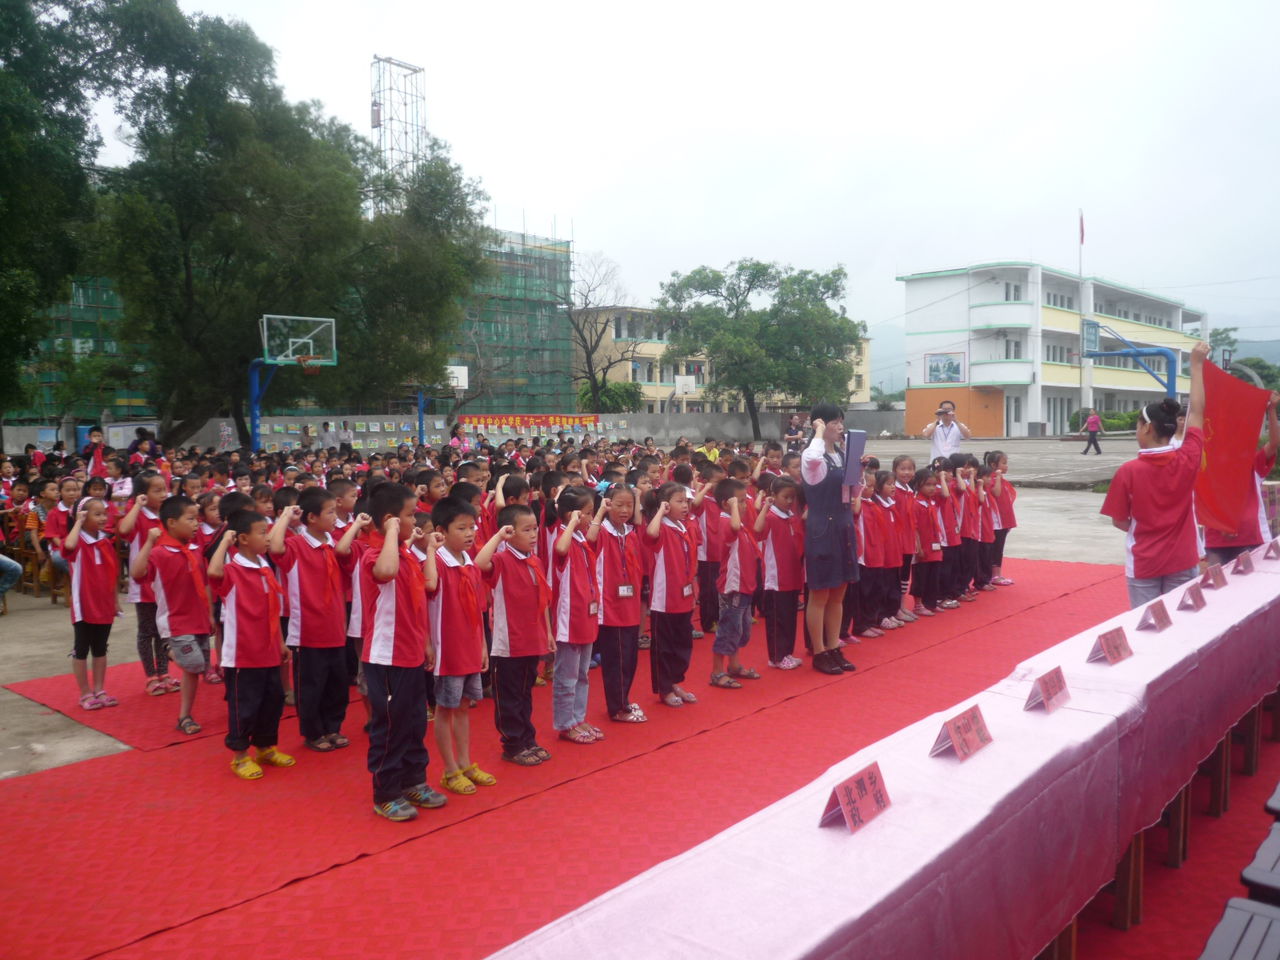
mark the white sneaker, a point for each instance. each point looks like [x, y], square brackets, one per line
[888, 623]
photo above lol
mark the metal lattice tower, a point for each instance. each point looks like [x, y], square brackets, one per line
[398, 116]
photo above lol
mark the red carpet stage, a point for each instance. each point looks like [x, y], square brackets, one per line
[162, 852]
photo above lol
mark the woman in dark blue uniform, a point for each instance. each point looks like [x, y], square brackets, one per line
[830, 558]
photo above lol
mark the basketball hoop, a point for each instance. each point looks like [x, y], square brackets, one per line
[308, 365]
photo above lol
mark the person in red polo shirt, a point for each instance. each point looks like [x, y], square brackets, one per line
[1150, 497]
[171, 564]
[521, 629]
[252, 645]
[1254, 530]
[91, 553]
[396, 656]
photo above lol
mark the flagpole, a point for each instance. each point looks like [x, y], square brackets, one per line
[1080, 304]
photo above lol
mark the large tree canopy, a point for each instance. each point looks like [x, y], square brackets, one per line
[765, 329]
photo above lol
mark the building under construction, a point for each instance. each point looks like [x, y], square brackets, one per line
[516, 339]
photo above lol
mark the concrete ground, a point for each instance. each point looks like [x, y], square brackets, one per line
[1053, 524]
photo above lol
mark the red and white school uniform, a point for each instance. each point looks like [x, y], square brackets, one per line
[1154, 493]
[393, 613]
[929, 529]
[456, 628]
[521, 595]
[970, 521]
[176, 575]
[739, 559]
[674, 553]
[58, 523]
[1007, 518]
[94, 568]
[140, 591]
[782, 549]
[881, 544]
[575, 609]
[620, 567]
[904, 518]
[205, 534]
[1254, 528]
[250, 597]
[314, 582]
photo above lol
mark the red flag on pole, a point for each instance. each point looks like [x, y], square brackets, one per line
[1233, 415]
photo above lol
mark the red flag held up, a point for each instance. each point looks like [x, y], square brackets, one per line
[1233, 414]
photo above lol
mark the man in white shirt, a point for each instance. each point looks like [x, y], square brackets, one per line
[946, 432]
[328, 436]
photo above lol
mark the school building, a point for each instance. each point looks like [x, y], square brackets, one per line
[636, 337]
[1003, 341]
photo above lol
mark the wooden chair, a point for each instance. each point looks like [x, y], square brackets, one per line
[29, 582]
[60, 587]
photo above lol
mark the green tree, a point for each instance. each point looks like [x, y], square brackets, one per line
[1269, 373]
[885, 401]
[620, 397]
[765, 329]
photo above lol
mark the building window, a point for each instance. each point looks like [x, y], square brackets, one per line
[617, 327]
[1012, 292]
[1013, 349]
[1071, 303]
[649, 407]
[648, 371]
[635, 371]
[857, 381]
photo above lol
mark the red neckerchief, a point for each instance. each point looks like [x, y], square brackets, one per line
[333, 576]
[193, 563]
[418, 587]
[539, 578]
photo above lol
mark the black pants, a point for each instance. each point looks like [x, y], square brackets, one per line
[884, 592]
[780, 622]
[967, 568]
[983, 575]
[152, 651]
[904, 578]
[618, 648]
[513, 702]
[352, 659]
[708, 597]
[672, 647]
[397, 751]
[997, 548]
[1093, 442]
[949, 578]
[925, 580]
[255, 700]
[322, 692]
[90, 638]
[864, 610]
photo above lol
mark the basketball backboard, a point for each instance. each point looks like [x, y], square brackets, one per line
[291, 339]
[685, 384]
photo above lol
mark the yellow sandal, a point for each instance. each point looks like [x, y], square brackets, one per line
[457, 782]
[478, 776]
[245, 768]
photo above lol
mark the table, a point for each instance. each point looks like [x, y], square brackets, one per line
[986, 859]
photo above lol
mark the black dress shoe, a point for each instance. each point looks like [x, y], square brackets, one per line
[824, 663]
[838, 658]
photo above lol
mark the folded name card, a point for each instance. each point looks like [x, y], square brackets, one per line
[1192, 598]
[964, 734]
[1155, 617]
[1273, 551]
[1214, 578]
[1244, 564]
[859, 800]
[1050, 690]
[1113, 646]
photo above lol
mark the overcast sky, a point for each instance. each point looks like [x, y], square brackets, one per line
[888, 137]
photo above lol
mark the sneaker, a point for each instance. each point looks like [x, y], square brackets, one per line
[823, 663]
[423, 796]
[871, 633]
[987, 588]
[595, 661]
[789, 663]
[923, 611]
[888, 623]
[1002, 582]
[697, 634]
[398, 810]
[644, 642]
[838, 658]
[948, 605]
[968, 597]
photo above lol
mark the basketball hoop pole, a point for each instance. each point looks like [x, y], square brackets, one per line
[422, 419]
[257, 388]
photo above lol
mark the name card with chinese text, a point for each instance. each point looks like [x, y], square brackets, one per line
[1243, 564]
[1113, 646]
[1214, 578]
[1192, 598]
[858, 800]
[964, 734]
[1155, 617]
[1050, 690]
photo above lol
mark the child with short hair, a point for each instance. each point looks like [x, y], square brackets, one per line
[521, 629]
[454, 592]
[673, 546]
[1002, 494]
[148, 494]
[396, 656]
[620, 575]
[252, 645]
[780, 529]
[928, 531]
[735, 584]
[92, 598]
[904, 471]
[171, 563]
[576, 620]
[882, 551]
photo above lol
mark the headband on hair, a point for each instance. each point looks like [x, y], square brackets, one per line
[1146, 416]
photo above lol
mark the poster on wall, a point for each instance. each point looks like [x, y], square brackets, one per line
[944, 368]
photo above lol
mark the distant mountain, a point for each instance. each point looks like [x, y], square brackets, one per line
[1268, 350]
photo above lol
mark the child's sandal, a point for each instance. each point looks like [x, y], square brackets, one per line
[106, 699]
[478, 776]
[339, 741]
[525, 758]
[246, 768]
[724, 681]
[577, 736]
[457, 782]
[90, 701]
[320, 745]
[155, 687]
[745, 673]
[188, 726]
[542, 753]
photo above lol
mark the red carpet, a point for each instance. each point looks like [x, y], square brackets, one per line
[187, 861]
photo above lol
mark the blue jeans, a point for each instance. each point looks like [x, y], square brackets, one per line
[733, 629]
[10, 572]
[569, 689]
[1142, 590]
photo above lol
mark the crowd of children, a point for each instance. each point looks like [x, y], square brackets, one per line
[430, 579]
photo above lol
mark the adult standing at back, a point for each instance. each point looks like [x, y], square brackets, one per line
[830, 558]
[946, 432]
[794, 437]
[1093, 427]
[1150, 497]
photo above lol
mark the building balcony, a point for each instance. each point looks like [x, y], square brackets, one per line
[1143, 334]
[1134, 379]
[1000, 372]
[1059, 374]
[1001, 315]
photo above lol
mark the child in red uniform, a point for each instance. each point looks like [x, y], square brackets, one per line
[575, 620]
[149, 492]
[619, 574]
[987, 517]
[780, 530]
[970, 525]
[1003, 494]
[925, 578]
[454, 590]
[521, 629]
[904, 470]
[314, 571]
[172, 565]
[673, 545]
[92, 597]
[252, 645]
[59, 521]
[735, 584]
[396, 656]
[882, 552]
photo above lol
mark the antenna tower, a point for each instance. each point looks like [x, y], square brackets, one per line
[398, 119]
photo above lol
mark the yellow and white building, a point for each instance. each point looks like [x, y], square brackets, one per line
[1003, 341]
[635, 333]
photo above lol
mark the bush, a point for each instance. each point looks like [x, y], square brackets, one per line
[1111, 421]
